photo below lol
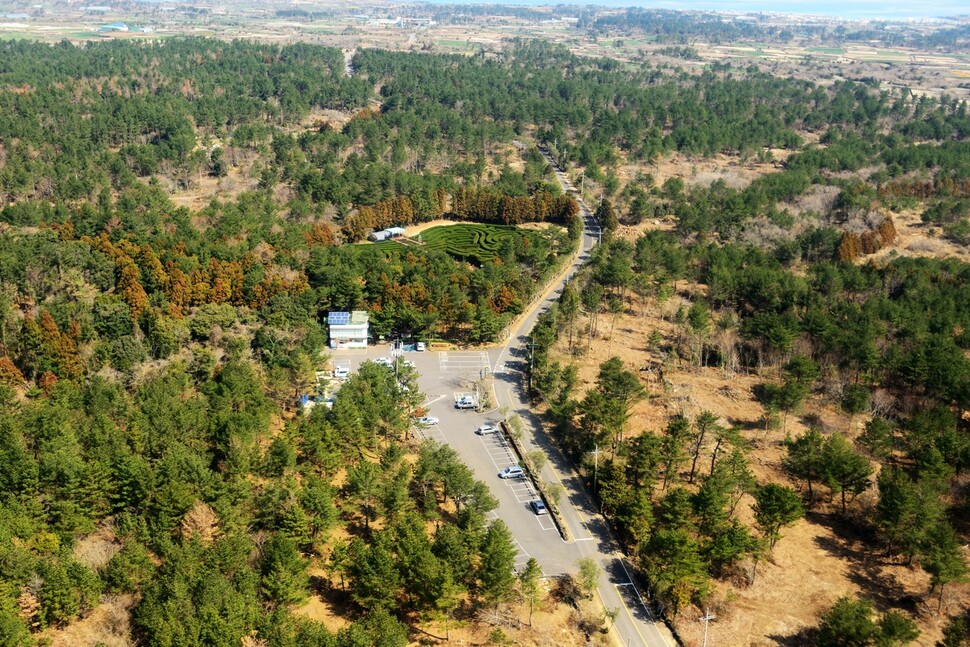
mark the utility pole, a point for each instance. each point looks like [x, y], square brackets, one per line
[707, 618]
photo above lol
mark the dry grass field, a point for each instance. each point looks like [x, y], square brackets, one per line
[821, 557]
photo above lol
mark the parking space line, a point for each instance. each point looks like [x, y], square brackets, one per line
[504, 457]
[522, 555]
[431, 433]
[427, 403]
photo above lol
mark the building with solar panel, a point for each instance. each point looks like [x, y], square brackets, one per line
[348, 329]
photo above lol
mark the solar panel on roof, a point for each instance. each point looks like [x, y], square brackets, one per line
[339, 318]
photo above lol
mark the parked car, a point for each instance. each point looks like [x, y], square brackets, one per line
[420, 347]
[341, 372]
[465, 402]
[427, 420]
[512, 472]
[384, 361]
[407, 363]
[538, 506]
[487, 429]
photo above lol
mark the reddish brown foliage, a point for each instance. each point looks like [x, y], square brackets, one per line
[850, 247]
[853, 245]
[9, 373]
[320, 235]
[47, 382]
[61, 348]
[887, 231]
[486, 206]
[926, 188]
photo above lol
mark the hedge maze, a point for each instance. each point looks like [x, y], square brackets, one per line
[475, 243]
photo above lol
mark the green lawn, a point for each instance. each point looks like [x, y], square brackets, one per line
[475, 243]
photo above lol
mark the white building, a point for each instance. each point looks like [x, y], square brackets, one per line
[348, 329]
[387, 234]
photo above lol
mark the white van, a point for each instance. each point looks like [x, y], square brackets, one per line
[465, 402]
[341, 372]
[420, 347]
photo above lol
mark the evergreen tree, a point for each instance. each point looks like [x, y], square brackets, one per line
[284, 572]
[844, 470]
[530, 579]
[847, 624]
[804, 459]
[496, 571]
[944, 559]
[776, 506]
[672, 447]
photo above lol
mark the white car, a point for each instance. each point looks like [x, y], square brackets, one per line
[407, 363]
[465, 402]
[427, 420]
[341, 372]
[512, 472]
[384, 361]
[487, 429]
[420, 347]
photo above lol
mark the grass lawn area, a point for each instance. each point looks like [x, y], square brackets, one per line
[476, 243]
[472, 242]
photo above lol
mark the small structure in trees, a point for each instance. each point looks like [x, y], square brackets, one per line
[348, 329]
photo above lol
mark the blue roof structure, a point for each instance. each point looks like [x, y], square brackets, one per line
[338, 318]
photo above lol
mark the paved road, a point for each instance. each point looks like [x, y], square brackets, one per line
[590, 536]
[444, 376]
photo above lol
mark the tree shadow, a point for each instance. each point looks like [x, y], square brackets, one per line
[746, 425]
[761, 393]
[804, 637]
[868, 568]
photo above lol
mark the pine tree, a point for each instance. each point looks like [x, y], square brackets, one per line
[944, 559]
[496, 571]
[844, 470]
[776, 506]
[531, 584]
[804, 459]
[284, 578]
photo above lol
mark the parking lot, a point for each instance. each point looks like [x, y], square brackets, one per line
[444, 377]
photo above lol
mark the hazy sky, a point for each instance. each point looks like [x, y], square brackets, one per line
[892, 9]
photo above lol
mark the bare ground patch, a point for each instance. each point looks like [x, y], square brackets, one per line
[109, 625]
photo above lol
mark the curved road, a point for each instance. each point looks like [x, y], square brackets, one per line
[588, 532]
